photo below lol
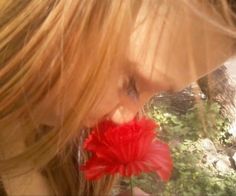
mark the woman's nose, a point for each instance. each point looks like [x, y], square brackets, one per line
[129, 108]
[123, 114]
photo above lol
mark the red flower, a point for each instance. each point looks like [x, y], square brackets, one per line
[127, 149]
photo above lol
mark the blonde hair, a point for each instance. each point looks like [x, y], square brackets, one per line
[44, 46]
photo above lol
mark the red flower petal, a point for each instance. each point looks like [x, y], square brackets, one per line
[127, 149]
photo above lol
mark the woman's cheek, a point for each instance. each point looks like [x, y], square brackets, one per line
[102, 110]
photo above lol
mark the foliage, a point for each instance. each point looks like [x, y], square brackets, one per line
[192, 177]
[202, 120]
[183, 131]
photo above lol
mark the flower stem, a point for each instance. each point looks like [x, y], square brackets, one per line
[131, 186]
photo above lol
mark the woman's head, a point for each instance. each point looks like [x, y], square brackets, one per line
[72, 63]
[148, 47]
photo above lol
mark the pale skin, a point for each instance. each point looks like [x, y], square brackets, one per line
[122, 100]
